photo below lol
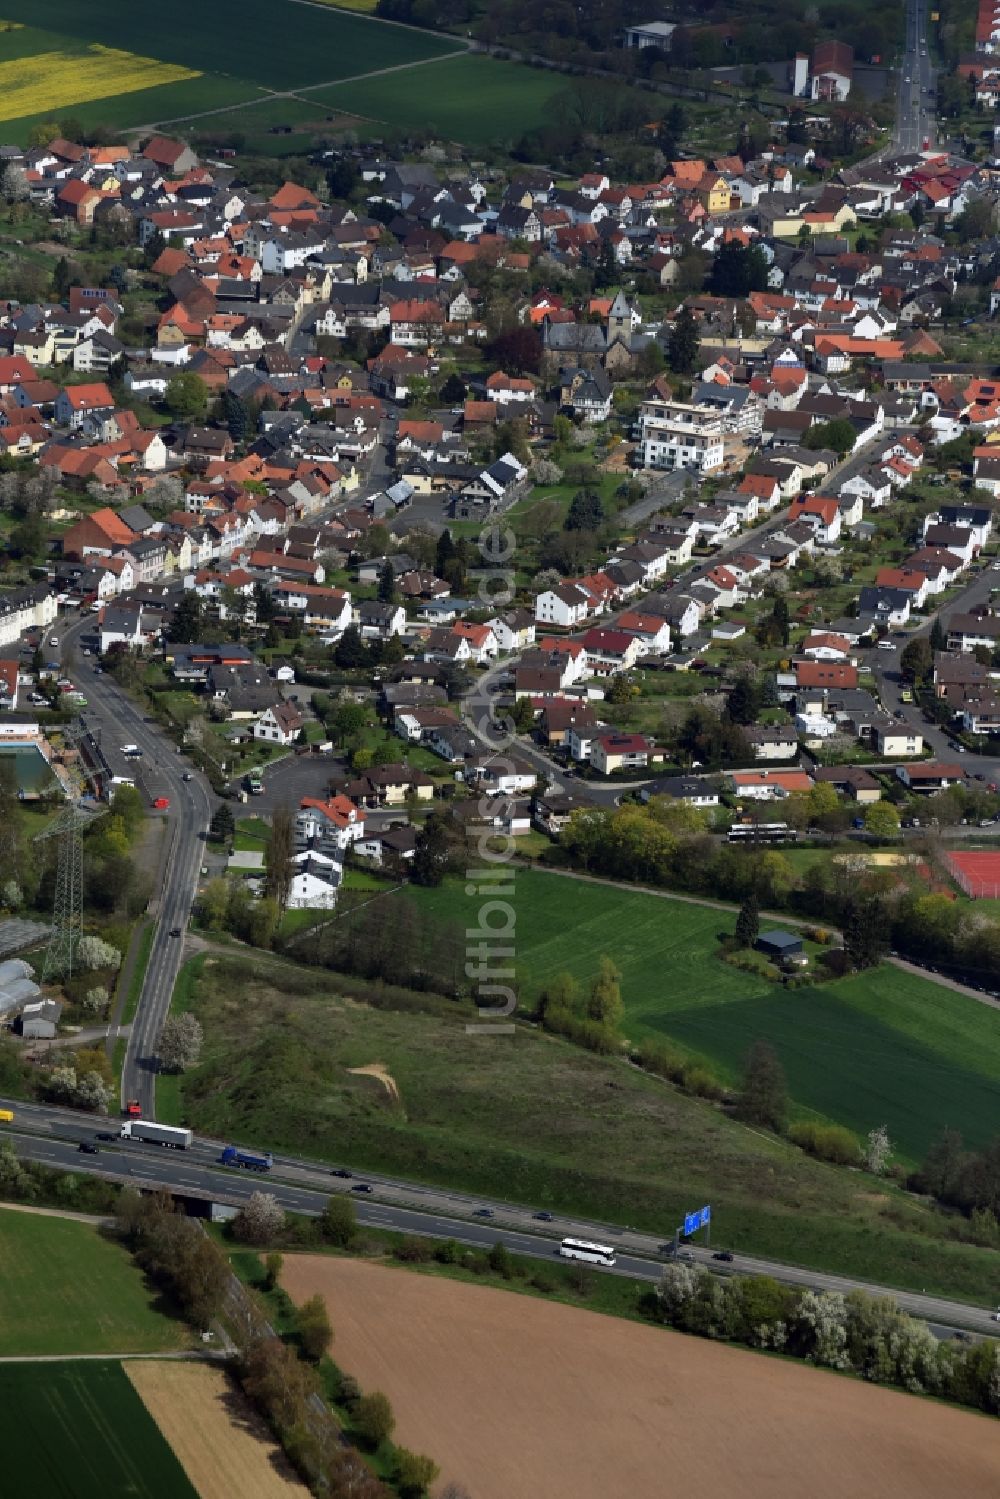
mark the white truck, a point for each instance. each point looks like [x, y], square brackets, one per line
[156, 1134]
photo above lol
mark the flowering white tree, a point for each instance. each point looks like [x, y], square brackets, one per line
[180, 1042]
[95, 1001]
[676, 1290]
[821, 1324]
[878, 1150]
[260, 1219]
[94, 952]
[915, 1353]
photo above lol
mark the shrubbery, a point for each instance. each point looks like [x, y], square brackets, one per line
[866, 1334]
[830, 1142]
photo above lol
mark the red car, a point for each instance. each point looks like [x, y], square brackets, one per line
[133, 1108]
[161, 803]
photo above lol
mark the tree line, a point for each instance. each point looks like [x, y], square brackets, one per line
[866, 1335]
[285, 1378]
[668, 844]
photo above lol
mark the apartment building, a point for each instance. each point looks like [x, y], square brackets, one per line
[680, 434]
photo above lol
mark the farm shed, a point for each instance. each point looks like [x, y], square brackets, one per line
[780, 944]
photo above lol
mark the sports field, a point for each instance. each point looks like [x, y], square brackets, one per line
[78, 1430]
[199, 59]
[977, 871]
[590, 1407]
[877, 1048]
[65, 1289]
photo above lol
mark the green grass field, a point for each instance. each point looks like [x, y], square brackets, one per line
[65, 1289]
[238, 61]
[529, 1119]
[877, 1048]
[80, 1431]
[476, 100]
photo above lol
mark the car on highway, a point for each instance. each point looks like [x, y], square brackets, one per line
[87, 1148]
[187, 776]
[104, 1135]
[542, 1217]
[175, 931]
[995, 1316]
[343, 1172]
[483, 1213]
[362, 1187]
[53, 640]
[726, 1255]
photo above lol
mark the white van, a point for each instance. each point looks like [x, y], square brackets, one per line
[886, 645]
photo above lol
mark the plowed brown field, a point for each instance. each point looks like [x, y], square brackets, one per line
[222, 1445]
[517, 1396]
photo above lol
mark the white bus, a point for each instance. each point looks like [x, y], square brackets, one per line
[583, 1249]
[762, 832]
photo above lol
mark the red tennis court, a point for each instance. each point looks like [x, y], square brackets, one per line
[977, 871]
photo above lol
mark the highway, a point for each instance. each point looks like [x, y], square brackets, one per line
[915, 118]
[52, 1136]
[188, 817]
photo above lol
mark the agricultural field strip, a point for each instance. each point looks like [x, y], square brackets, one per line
[53, 80]
[318, 39]
[96, 1299]
[222, 1445]
[298, 94]
[639, 1394]
[74, 1431]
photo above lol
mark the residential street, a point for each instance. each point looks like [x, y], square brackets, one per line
[915, 101]
[191, 807]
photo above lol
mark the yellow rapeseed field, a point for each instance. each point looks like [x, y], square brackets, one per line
[53, 80]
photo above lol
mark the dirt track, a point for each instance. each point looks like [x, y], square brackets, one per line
[513, 1395]
[221, 1444]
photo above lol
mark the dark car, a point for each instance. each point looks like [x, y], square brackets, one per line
[87, 1148]
[104, 1135]
[187, 776]
[362, 1187]
[483, 1213]
[342, 1171]
[726, 1255]
[543, 1217]
[175, 931]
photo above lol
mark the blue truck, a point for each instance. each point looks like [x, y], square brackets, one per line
[247, 1160]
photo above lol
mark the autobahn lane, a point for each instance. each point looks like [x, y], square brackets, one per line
[304, 1186]
[187, 819]
[146, 1171]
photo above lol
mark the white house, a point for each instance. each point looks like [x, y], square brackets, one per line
[564, 606]
[279, 725]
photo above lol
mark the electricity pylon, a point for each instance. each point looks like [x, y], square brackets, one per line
[67, 916]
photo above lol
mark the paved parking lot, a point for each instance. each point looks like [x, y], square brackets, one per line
[287, 782]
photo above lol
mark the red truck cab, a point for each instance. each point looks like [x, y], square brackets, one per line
[133, 1108]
